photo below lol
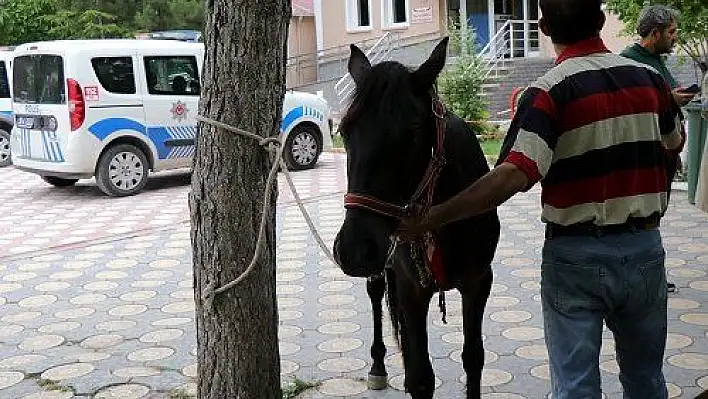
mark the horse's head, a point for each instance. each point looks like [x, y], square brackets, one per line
[389, 131]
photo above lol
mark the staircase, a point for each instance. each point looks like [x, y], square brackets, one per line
[511, 61]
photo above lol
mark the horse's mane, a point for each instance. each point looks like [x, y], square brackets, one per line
[384, 92]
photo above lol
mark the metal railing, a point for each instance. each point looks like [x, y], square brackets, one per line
[304, 69]
[514, 39]
[379, 52]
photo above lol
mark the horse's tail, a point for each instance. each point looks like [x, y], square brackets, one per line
[392, 302]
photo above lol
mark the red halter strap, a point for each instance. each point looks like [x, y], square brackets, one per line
[422, 198]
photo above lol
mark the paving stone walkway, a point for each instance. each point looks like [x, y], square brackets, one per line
[111, 316]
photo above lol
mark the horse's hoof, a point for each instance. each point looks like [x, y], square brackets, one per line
[377, 382]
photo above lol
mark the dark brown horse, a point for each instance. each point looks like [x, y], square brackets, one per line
[405, 153]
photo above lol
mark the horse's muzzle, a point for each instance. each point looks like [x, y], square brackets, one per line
[356, 258]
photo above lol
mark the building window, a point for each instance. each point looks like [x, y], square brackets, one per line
[395, 13]
[400, 13]
[358, 14]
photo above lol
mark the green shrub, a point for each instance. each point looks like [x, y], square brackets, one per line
[460, 84]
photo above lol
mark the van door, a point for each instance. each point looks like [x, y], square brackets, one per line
[6, 119]
[5, 101]
[45, 108]
[112, 96]
[171, 101]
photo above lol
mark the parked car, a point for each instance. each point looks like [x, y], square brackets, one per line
[6, 120]
[118, 109]
[184, 35]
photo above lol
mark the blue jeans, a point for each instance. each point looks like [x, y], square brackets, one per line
[618, 278]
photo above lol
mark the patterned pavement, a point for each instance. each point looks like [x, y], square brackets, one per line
[96, 298]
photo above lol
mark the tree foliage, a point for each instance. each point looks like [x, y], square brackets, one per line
[693, 22]
[23, 21]
[89, 24]
[460, 85]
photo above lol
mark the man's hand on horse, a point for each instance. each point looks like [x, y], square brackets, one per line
[412, 228]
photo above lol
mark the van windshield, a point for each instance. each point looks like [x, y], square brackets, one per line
[4, 85]
[39, 79]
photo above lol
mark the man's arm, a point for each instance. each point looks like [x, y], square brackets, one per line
[682, 98]
[671, 125]
[487, 193]
[524, 159]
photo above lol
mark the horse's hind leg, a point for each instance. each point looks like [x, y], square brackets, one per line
[378, 378]
[474, 299]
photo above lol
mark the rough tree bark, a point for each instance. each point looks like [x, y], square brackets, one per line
[244, 84]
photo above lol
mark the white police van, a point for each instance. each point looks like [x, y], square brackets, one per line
[6, 120]
[117, 109]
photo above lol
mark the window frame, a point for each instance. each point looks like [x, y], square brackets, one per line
[387, 15]
[6, 77]
[100, 81]
[36, 98]
[352, 8]
[147, 59]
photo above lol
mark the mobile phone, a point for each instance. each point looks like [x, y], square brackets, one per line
[691, 89]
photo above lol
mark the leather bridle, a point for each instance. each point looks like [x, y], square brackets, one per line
[422, 198]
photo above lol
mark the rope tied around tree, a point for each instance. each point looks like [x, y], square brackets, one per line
[275, 146]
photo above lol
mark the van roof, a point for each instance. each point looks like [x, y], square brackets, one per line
[106, 44]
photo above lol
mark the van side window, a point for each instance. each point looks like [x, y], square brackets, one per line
[115, 74]
[172, 75]
[4, 86]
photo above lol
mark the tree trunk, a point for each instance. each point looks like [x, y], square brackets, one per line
[244, 85]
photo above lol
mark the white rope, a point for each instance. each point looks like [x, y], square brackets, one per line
[273, 145]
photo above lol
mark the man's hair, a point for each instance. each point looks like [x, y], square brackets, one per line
[655, 17]
[571, 21]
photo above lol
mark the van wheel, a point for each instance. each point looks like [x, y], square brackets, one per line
[5, 155]
[59, 182]
[122, 170]
[302, 148]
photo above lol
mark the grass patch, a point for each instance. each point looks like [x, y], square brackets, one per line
[298, 386]
[491, 147]
[49, 385]
[180, 393]
[337, 141]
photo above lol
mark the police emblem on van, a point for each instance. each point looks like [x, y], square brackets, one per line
[179, 111]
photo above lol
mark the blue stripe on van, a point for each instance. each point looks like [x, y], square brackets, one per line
[159, 135]
[47, 153]
[106, 127]
[294, 114]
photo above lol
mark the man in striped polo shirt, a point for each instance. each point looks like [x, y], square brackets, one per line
[594, 131]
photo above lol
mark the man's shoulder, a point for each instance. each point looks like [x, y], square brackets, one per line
[589, 67]
[630, 51]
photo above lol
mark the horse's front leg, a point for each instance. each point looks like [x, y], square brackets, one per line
[474, 299]
[378, 378]
[413, 314]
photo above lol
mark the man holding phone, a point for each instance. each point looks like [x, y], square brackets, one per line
[658, 28]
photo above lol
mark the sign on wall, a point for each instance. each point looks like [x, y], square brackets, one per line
[422, 15]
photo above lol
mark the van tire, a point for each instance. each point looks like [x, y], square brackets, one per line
[58, 181]
[302, 148]
[137, 168]
[5, 155]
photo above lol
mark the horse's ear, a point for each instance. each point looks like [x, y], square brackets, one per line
[359, 65]
[427, 73]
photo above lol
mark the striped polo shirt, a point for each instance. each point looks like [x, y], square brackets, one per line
[592, 131]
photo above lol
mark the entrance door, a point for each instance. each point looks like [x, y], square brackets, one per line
[522, 26]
